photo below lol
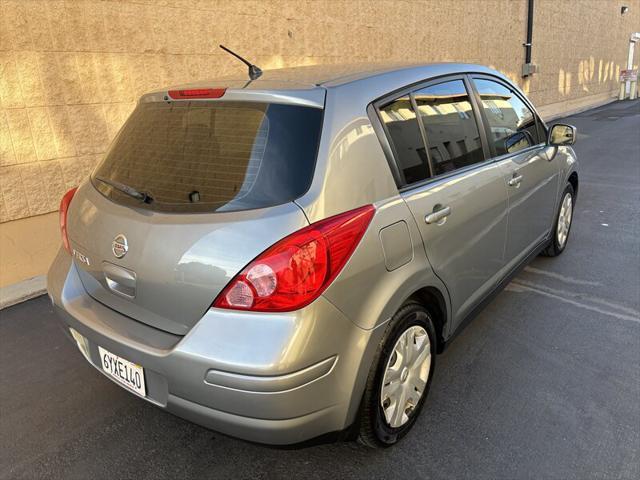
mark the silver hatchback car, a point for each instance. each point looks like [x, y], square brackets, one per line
[281, 259]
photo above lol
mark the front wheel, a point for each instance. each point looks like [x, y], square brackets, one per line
[400, 377]
[562, 226]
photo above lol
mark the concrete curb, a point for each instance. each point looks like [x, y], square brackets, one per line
[22, 291]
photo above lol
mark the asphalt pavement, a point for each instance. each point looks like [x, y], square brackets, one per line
[544, 383]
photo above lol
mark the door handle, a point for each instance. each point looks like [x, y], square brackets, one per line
[438, 215]
[515, 181]
[120, 280]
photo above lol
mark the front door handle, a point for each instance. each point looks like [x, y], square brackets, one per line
[438, 216]
[515, 181]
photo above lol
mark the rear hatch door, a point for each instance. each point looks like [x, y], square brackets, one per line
[209, 186]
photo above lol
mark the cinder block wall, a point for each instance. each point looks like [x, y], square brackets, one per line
[70, 71]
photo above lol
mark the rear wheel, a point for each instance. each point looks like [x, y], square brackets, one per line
[400, 377]
[562, 226]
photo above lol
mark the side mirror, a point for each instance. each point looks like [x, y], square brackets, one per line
[562, 134]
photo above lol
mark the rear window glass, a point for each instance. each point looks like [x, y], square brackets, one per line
[211, 156]
[450, 125]
[403, 128]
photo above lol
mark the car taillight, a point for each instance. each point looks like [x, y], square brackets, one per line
[197, 93]
[64, 208]
[296, 270]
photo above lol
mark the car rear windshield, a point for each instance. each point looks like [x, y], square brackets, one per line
[204, 156]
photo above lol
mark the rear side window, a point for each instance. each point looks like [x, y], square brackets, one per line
[450, 126]
[511, 122]
[404, 132]
[212, 156]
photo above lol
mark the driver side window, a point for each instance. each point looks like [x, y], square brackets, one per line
[511, 122]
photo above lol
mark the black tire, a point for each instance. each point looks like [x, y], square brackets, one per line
[374, 430]
[555, 248]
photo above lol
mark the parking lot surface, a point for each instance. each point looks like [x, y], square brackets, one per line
[544, 383]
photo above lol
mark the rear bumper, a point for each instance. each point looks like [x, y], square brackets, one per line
[270, 378]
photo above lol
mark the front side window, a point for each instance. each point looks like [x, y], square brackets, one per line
[404, 132]
[450, 126]
[511, 122]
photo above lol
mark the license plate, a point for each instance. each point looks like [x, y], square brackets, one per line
[125, 372]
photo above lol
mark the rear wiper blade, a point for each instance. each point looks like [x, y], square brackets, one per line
[127, 190]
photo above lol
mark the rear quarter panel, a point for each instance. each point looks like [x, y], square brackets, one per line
[366, 291]
[351, 169]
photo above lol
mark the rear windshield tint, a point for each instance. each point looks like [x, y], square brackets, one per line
[212, 156]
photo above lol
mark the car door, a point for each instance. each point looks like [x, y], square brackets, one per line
[517, 140]
[458, 199]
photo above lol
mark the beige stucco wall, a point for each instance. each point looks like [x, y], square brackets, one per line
[27, 247]
[70, 71]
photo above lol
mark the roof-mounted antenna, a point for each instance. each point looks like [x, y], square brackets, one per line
[254, 70]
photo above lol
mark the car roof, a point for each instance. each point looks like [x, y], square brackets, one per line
[328, 76]
[297, 83]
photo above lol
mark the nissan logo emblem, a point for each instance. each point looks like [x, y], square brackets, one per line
[119, 247]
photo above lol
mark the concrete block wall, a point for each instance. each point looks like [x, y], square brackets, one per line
[71, 70]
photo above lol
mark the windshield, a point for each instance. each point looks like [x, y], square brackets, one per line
[211, 156]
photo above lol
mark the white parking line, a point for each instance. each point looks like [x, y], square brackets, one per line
[519, 287]
[563, 278]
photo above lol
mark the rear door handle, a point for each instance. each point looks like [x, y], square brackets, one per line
[438, 215]
[119, 279]
[515, 181]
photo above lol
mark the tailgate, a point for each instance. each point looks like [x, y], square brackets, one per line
[174, 264]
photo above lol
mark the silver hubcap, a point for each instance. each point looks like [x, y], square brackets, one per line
[564, 219]
[406, 375]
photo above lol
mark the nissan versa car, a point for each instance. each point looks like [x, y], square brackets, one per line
[281, 259]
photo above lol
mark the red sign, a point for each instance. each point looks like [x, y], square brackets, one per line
[628, 75]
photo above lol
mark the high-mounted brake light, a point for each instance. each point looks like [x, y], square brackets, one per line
[197, 93]
[64, 209]
[296, 270]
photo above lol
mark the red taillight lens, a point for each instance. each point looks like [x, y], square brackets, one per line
[296, 270]
[197, 93]
[64, 208]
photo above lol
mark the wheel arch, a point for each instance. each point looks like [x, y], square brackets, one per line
[434, 301]
[573, 180]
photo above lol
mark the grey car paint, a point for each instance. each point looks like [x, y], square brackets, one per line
[283, 378]
[174, 286]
